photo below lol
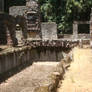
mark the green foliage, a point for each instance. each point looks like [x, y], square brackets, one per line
[64, 12]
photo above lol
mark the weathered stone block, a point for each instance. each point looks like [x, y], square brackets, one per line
[49, 31]
[17, 10]
[19, 36]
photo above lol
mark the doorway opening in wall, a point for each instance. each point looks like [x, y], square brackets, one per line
[83, 29]
[9, 3]
[31, 17]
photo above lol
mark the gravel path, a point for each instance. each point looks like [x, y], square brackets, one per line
[30, 78]
[79, 76]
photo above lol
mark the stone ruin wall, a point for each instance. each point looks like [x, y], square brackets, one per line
[17, 57]
[20, 58]
[14, 58]
[7, 32]
[48, 30]
[17, 10]
[31, 8]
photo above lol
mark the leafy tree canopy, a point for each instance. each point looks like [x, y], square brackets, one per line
[64, 12]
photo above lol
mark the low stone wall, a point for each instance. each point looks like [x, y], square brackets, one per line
[13, 58]
[49, 54]
[55, 77]
[7, 29]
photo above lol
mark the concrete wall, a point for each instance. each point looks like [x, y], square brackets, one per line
[7, 29]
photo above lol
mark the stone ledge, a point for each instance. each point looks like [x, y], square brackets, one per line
[55, 77]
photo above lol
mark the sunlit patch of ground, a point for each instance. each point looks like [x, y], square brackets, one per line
[79, 76]
[30, 78]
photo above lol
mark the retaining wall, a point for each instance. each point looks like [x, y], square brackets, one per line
[51, 54]
[56, 76]
[14, 58]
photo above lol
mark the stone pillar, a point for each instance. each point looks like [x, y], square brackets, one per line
[19, 36]
[49, 31]
[91, 28]
[9, 39]
[75, 30]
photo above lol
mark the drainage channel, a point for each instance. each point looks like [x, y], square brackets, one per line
[42, 76]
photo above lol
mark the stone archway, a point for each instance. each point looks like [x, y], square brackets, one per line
[7, 23]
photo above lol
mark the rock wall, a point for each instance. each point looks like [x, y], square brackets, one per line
[51, 54]
[56, 76]
[17, 10]
[7, 23]
[15, 58]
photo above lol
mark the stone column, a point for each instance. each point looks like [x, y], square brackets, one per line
[9, 39]
[91, 28]
[75, 30]
[19, 36]
[49, 31]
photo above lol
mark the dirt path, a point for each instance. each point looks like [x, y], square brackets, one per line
[79, 76]
[30, 78]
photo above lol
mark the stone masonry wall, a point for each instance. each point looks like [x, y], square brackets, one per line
[7, 23]
[16, 57]
[48, 54]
